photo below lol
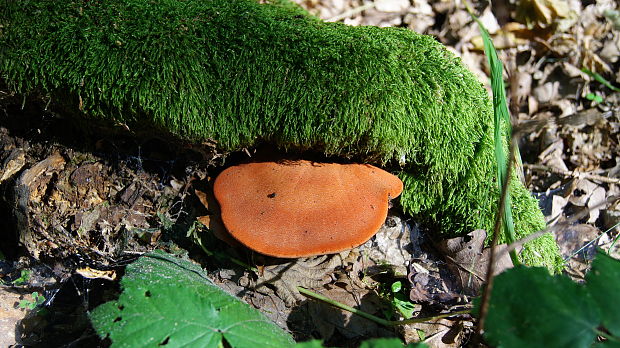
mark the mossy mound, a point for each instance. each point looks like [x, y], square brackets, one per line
[240, 73]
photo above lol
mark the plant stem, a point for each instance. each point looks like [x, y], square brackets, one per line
[226, 257]
[371, 317]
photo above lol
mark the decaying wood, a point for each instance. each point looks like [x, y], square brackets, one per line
[30, 188]
[67, 202]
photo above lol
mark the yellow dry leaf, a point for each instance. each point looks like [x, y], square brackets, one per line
[510, 35]
[542, 13]
[92, 273]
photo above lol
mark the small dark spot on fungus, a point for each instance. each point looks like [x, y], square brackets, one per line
[322, 208]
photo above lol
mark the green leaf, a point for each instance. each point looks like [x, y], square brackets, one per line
[25, 304]
[397, 286]
[404, 306]
[601, 80]
[531, 308]
[608, 345]
[169, 301]
[24, 277]
[38, 298]
[310, 344]
[371, 343]
[389, 343]
[594, 97]
[603, 282]
[421, 334]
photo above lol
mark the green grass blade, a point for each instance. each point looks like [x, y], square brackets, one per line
[600, 79]
[500, 111]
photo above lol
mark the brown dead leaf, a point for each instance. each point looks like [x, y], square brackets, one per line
[611, 219]
[590, 145]
[501, 40]
[520, 89]
[558, 204]
[392, 245]
[553, 155]
[543, 13]
[432, 284]
[329, 319]
[581, 239]
[214, 221]
[581, 191]
[440, 333]
[468, 260]
[547, 92]
[582, 194]
[572, 238]
[510, 35]
[202, 197]
[596, 203]
[588, 194]
[92, 273]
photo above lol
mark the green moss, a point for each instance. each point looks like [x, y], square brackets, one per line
[241, 73]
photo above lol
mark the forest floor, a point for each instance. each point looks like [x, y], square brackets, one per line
[561, 63]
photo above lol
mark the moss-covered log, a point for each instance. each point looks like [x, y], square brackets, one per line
[240, 73]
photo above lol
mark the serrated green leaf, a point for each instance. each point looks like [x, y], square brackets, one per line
[531, 308]
[603, 282]
[166, 300]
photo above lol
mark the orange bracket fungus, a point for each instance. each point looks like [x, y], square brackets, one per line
[302, 208]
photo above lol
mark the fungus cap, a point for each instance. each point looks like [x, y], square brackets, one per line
[302, 208]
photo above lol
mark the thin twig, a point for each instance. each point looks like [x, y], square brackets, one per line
[519, 243]
[376, 319]
[590, 243]
[577, 119]
[464, 268]
[572, 174]
[222, 256]
[611, 247]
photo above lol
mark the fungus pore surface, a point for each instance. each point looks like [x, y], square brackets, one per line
[303, 208]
